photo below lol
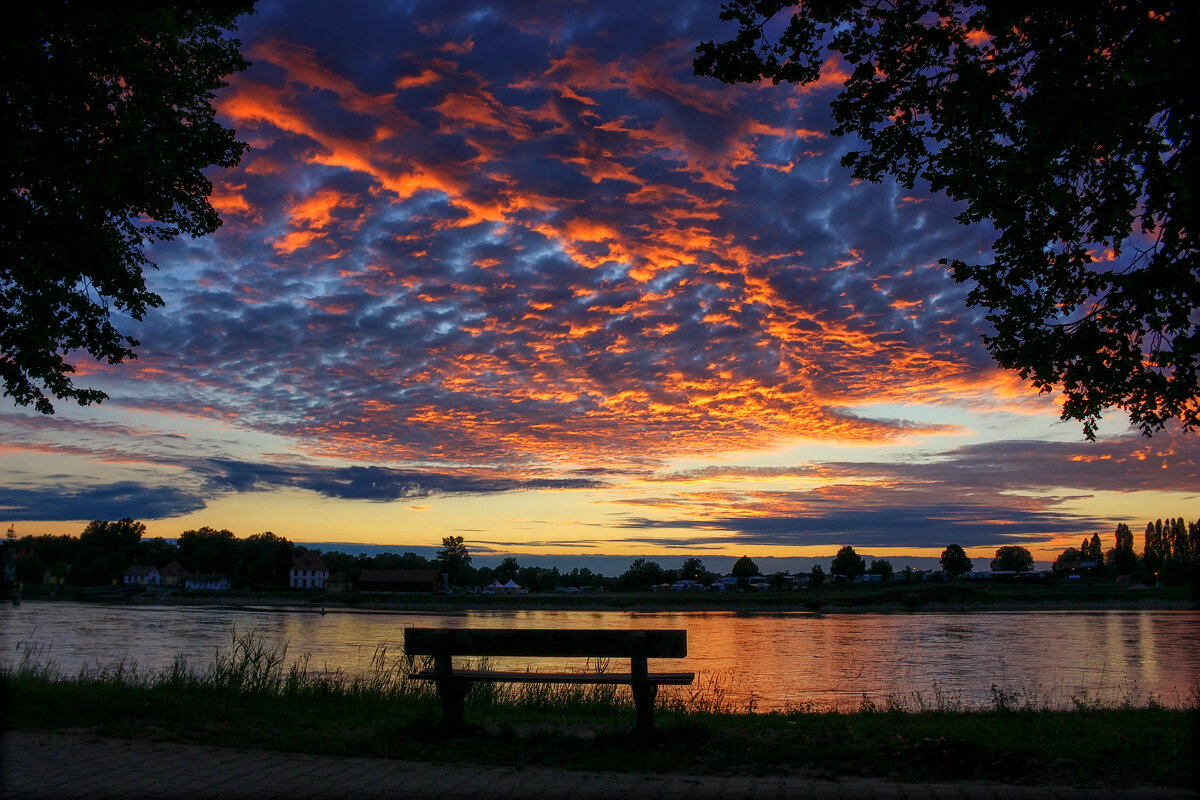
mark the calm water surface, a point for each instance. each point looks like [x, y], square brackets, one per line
[767, 661]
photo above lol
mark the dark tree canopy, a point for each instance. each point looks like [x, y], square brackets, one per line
[642, 574]
[744, 567]
[1068, 559]
[1070, 128]
[1012, 558]
[208, 550]
[264, 561]
[848, 563]
[954, 561]
[881, 567]
[454, 555]
[107, 126]
[1122, 557]
[106, 550]
[507, 569]
[692, 569]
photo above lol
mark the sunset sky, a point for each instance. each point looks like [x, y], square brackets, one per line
[509, 271]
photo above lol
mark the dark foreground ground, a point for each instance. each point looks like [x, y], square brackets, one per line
[75, 765]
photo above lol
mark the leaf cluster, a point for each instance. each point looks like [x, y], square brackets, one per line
[1070, 129]
[108, 126]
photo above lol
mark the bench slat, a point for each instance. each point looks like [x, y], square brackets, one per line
[602, 678]
[541, 643]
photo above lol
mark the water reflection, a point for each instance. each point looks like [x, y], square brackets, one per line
[773, 661]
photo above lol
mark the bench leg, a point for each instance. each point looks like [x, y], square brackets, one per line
[644, 695]
[452, 693]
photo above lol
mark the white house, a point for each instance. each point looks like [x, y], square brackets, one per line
[143, 576]
[308, 571]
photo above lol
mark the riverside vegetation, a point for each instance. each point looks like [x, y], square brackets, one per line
[252, 696]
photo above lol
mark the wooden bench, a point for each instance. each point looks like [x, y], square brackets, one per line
[638, 646]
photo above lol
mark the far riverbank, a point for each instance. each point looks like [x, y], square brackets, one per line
[832, 600]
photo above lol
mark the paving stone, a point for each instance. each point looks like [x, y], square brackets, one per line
[71, 765]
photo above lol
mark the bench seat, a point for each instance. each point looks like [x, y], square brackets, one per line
[444, 644]
[603, 678]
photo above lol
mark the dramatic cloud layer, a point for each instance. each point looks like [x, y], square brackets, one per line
[490, 236]
[481, 248]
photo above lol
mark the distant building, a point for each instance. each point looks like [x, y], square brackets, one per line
[213, 582]
[308, 571]
[399, 580]
[141, 575]
[339, 582]
[1075, 567]
[173, 574]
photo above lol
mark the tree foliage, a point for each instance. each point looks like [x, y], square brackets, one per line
[881, 567]
[1012, 558]
[507, 569]
[1068, 559]
[264, 561]
[106, 550]
[453, 556]
[848, 563]
[641, 575]
[1122, 558]
[108, 126]
[1070, 128]
[954, 561]
[29, 568]
[744, 567]
[207, 550]
[692, 569]
[1092, 549]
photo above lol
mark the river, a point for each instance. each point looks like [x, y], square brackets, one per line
[760, 661]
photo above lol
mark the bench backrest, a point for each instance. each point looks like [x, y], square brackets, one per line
[551, 642]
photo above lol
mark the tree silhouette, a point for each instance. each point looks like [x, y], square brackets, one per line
[743, 569]
[1011, 558]
[108, 126]
[848, 563]
[453, 557]
[1070, 129]
[954, 561]
[692, 569]
[1121, 557]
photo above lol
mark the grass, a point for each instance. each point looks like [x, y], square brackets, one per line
[252, 696]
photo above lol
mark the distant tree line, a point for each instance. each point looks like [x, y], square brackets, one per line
[1170, 554]
[105, 550]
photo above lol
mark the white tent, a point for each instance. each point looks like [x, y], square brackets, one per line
[496, 587]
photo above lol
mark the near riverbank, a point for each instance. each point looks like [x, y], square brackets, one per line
[251, 698]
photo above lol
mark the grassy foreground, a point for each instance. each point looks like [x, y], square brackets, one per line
[250, 697]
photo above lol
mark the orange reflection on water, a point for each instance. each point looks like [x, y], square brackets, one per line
[763, 662]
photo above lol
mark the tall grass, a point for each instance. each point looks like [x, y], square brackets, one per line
[253, 694]
[253, 665]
